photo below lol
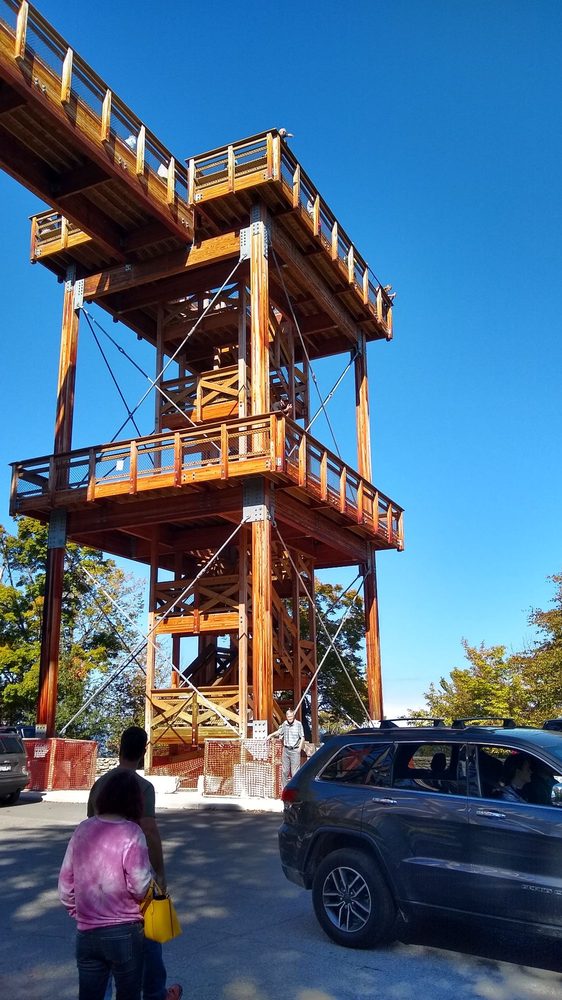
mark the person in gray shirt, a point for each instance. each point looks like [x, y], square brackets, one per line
[292, 734]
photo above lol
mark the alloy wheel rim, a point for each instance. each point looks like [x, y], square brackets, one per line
[346, 899]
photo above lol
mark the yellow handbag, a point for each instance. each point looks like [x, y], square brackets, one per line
[160, 918]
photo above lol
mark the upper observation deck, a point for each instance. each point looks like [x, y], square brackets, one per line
[122, 202]
[68, 138]
[319, 259]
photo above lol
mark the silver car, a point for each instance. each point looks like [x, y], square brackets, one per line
[13, 766]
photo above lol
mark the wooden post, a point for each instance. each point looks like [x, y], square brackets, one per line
[259, 296]
[54, 571]
[242, 352]
[151, 648]
[158, 397]
[297, 664]
[369, 569]
[262, 627]
[67, 369]
[176, 639]
[243, 632]
[50, 639]
[314, 688]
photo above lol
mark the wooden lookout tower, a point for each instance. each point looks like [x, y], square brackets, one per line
[236, 272]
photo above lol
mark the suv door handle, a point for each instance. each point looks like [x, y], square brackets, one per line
[490, 812]
[385, 802]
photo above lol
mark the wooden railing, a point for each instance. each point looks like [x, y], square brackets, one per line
[221, 451]
[264, 158]
[51, 233]
[211, 395]
[67, 80]
[183, 715]
[212, 604]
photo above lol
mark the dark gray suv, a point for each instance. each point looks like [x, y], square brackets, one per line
[463, 819]
[13, 766]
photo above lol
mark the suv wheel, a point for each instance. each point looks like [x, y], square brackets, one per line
[351, 900]
[11, 799]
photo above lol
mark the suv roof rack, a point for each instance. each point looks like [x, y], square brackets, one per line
[392, 723]
[462, 723]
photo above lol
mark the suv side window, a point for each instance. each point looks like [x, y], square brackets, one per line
[431, 767]
[361, 764]
[11, 744]
[494, 776]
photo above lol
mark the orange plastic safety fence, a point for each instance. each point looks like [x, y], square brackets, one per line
[243, 768]
[60, 764]
[188, 771]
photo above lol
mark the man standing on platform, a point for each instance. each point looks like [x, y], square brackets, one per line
[131, 755]
[292, 734]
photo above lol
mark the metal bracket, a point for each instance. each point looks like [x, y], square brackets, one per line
[256, 227]
[245, 244]
[78, 300]
[254, 505]
[70, 278]
[56, 535]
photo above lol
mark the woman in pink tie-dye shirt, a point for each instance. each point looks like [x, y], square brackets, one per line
[104, 876]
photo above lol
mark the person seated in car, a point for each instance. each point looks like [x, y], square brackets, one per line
[516, 774]
[539, 791]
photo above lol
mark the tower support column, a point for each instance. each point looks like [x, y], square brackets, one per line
[54, 572]
[262, 627]
[369, 570]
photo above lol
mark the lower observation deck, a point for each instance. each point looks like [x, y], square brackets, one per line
[113, 492]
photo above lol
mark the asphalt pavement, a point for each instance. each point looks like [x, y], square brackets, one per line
[248, 934]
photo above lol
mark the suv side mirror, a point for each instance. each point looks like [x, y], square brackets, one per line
[556, 794]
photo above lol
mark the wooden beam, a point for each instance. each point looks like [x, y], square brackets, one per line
[152, 232]
[94, 221]
[313, 523]
[16, 161]
[84, 132]
[168, 288]
[9, 99]
[190, 506]
[321, 292]
[120, 279]
[80, 179]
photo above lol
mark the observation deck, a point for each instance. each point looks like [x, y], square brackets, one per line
[67, 137]
[118, 196]
[321, 495]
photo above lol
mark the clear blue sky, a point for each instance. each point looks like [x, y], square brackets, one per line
[433, 130]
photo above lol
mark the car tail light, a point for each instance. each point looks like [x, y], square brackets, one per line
[290, 795]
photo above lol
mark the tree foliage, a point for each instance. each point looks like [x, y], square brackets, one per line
[342, 697]
[525, 686]
[98, 604]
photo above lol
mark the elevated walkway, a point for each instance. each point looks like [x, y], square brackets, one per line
[73, 142]
[222, 454]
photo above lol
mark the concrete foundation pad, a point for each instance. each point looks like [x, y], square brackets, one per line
[180, 799]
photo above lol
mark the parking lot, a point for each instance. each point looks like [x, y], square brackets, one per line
[248, 933]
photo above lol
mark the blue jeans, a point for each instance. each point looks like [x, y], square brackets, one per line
[154, 973]
[110, 951]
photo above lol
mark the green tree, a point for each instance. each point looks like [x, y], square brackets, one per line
[525, 686]
[94, 633]
[491, 686]
[340, 706]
